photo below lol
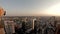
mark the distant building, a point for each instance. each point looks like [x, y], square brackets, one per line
[9, 27]
[33, 23]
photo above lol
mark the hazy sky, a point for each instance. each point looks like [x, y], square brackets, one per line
[26, 7]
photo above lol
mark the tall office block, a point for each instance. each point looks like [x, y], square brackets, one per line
[9, 27]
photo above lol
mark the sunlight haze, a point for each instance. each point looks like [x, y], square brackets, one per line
[31, 7]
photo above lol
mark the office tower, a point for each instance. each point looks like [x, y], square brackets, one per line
[33, 23]
[9, 27]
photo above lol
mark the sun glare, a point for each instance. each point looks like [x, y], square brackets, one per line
[54, 10]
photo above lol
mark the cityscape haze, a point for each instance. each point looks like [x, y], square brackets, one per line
[29, 16]
[31, 7]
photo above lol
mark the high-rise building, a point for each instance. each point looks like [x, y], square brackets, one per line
[9, 27]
